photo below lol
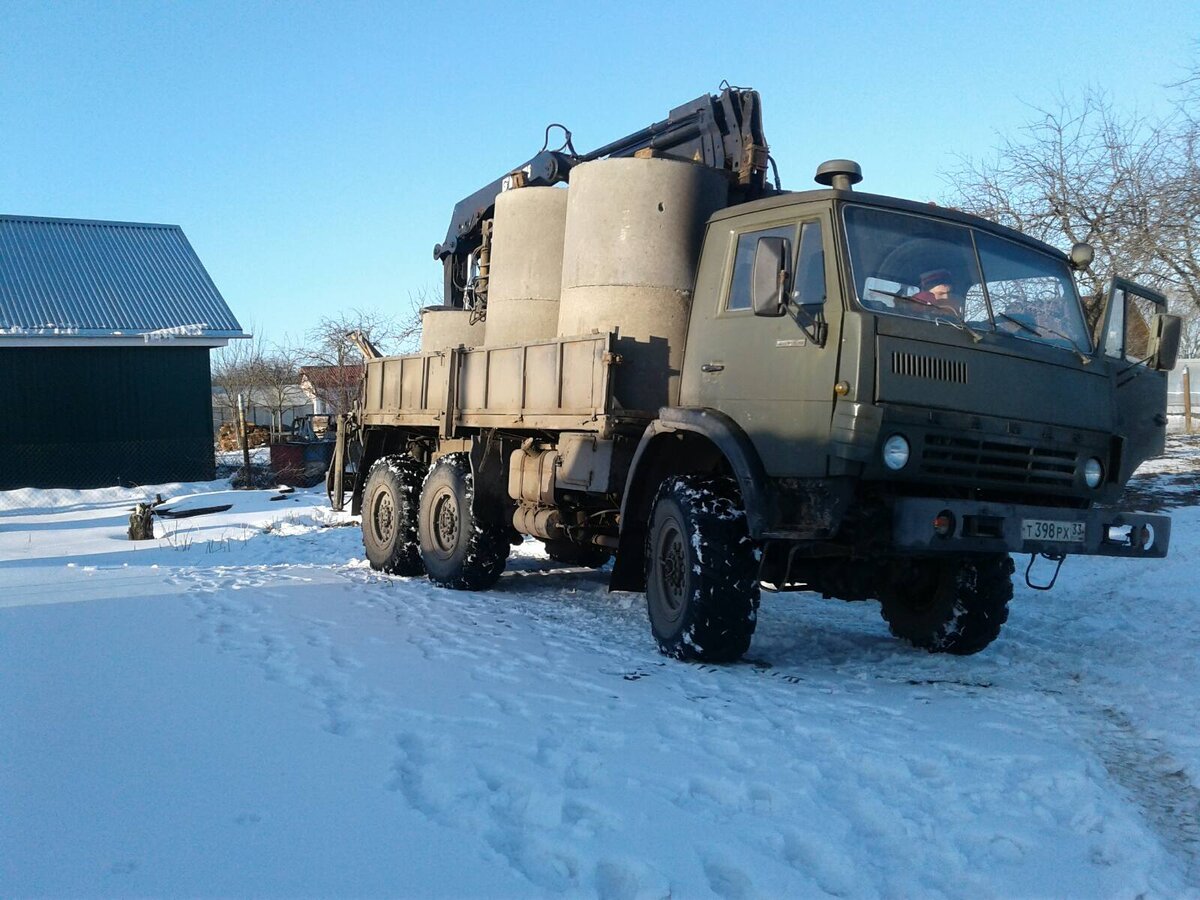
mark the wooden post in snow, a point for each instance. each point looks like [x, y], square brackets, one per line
[1187, 400]
[245, 438]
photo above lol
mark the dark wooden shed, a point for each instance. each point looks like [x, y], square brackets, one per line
[105, 332]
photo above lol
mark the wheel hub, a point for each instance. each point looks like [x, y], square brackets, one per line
[445, 522]
[385, 517]
[671, 563]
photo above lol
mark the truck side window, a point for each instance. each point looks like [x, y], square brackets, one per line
[1128, 334]
[1114, 340]
[810, 266]
[1138, 314]
[743, 263]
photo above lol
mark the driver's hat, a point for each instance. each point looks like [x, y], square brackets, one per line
[935, 277]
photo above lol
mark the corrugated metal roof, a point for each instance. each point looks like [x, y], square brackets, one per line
[78, 278]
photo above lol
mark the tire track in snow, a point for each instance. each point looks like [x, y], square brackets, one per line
[1156, 782]
[1142, 765]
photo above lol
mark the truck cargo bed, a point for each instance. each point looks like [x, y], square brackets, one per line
[561, 384]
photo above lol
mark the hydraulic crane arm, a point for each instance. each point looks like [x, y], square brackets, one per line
[722, 131]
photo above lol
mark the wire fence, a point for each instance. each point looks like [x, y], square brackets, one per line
[108, 463]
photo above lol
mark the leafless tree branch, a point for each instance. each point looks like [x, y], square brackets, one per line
[1082, 170]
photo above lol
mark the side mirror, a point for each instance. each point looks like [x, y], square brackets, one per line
[1164, 337]
[771, 276]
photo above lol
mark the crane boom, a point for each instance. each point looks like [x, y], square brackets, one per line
[723, 131]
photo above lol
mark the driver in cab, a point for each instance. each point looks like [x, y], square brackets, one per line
[937, 290]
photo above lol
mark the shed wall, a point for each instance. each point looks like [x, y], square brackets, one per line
[84, 417]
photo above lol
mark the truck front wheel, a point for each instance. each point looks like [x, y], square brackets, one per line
[955, 605]
[389, 515]
[463, 548]
[701, 570]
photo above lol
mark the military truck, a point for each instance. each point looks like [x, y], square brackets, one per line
[734, 388]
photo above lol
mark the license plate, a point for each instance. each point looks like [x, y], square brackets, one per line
[1050, 530]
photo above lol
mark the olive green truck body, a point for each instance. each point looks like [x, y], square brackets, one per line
[818, 423]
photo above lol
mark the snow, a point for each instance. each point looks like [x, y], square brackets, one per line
[243, 707]
[196, 329]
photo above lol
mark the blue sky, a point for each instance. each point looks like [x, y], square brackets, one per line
[313, 152]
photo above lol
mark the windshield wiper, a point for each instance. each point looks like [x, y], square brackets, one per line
[1083, 357]
[889, 293]
[956, 320]
[1019, 323]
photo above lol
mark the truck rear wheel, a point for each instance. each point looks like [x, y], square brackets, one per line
[389, 515]
[463, 548]
[701, 570]
[955, 605]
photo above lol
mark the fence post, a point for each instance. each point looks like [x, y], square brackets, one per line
[245, 437]
[1187, 400]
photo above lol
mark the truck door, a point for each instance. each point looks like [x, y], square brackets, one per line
[1141, 392]
[769, 374]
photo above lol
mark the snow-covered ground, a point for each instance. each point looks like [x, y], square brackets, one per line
[243, 707]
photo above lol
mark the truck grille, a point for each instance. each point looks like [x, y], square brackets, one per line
[988, 459]
[915, 365]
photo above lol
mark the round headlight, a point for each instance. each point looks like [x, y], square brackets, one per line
[895, 452]
[1093, 472]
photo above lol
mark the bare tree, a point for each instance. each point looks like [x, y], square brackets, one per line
[1063, 179]
[1189, 341]
[1171, 235]
[408, 330]
[1125, 184]
[237, 373]
[333, 363]
[1188, 86]
[237, 370]
[280, 377]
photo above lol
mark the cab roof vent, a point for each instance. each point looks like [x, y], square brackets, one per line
[839, 174]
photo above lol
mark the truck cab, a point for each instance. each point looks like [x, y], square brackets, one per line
[859, 346]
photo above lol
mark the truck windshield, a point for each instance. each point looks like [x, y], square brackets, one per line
[921, 267]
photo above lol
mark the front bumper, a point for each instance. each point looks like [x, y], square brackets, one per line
[975, 527]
